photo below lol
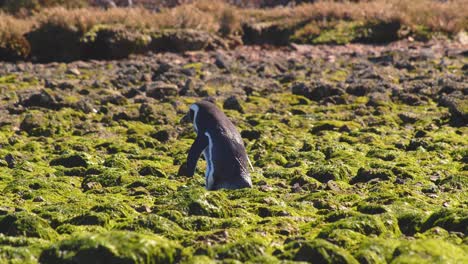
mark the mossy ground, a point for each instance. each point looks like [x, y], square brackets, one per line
[343, 178]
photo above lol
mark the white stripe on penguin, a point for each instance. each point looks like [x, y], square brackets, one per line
[195, 108]
[210, 166]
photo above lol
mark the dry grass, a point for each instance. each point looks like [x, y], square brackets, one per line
[12, 27]
[450, 17]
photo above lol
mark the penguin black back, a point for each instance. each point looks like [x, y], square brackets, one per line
[222, 146]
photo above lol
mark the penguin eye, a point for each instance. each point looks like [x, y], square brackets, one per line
[192, 114]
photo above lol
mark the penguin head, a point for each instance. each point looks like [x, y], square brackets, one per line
[201, 114]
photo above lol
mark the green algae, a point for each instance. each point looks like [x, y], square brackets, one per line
[116, 247]
[343, 183]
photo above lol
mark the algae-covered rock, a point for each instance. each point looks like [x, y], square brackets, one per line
[267, 33]
[21, 249]
[429, 251]
[180, 40]
[26, 224]
[111, 42]
[112, 247]
[320, 251]
[155, 223]
[376, 250]
[196, 201]
[71, 161]
[107, 178]
[450, 219]
[242, 250]
[364, 224]
[365, 175]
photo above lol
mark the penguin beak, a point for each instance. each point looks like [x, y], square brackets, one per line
[185, 119]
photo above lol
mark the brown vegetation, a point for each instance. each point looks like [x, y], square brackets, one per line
[300, 23]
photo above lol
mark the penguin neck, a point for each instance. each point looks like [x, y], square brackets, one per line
[195, 109]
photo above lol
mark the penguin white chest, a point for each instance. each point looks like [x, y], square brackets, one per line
[208, 153]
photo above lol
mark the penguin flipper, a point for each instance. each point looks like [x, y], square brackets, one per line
[200, 143]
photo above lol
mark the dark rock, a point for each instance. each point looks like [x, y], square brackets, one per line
[361, 88]
[114, 43]
[410, 99]
[26, 224]
[116, 99]
[162, 135]
[416, 143]
[365, 175]
[11, 160]
[41, 99]
[160, 90]
[233, 103]
[458, 109]
[152, 171]
[130, 93]
[181, 40]
[147, 113]
[321, 251]
[36, 125]
[113, 247]
[91, 186]
[38, 199]
[316, 90]
[408, 118]
[378, 99]
[454, 220]
[221, 62]
[70, 161]
[91, 218]
[250, 134]
[323, 127]
[267, 33]
[367, 208]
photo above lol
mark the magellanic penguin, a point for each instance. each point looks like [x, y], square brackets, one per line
[221, 144]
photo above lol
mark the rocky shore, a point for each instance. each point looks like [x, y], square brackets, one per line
[360, 155]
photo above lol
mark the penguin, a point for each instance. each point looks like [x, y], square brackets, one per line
[222, 147]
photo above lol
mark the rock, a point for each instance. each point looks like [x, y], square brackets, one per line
[70, 161]
[324, 174]
[233, 103]
[41, 99]
[378, 99]
[91, 186]
[315, 90]
[36, 124]
[160, 90]
[250, 134]
[26, 224]
[73, 71]
[38, 199]
[321, 251]
[112, 247]
[458, 108]
[90, 218]
[221, 62]
[408, 117]
[152, 171]
[410, 99]
[267, 33]
[462, 37]
[10, 160]
[181, 40]
[162, 136]
[114, 42]
[365, 175]
[361, 88]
